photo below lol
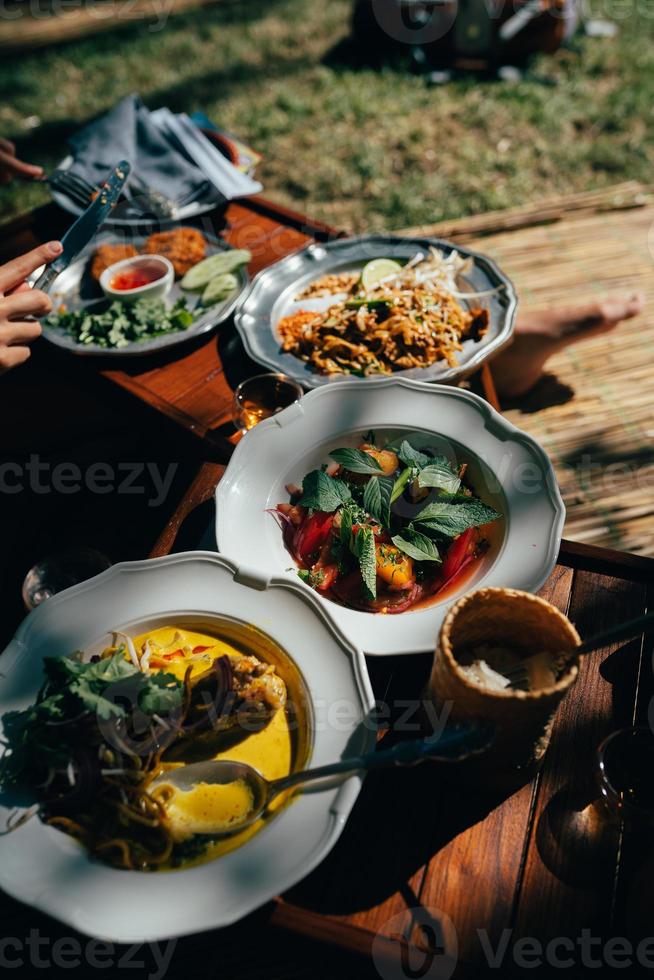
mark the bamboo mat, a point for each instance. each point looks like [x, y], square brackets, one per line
[600, 435]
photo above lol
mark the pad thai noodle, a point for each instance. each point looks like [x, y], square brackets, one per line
[410, 318]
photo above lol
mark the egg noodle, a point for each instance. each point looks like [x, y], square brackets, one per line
[88, 751]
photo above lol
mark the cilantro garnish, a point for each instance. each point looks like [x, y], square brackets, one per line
[51, 730]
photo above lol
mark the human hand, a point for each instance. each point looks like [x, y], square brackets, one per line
[11, 166]
[18, 301]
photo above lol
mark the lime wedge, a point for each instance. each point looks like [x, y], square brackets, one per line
[373, 272]
[219, 288]
[215, 265]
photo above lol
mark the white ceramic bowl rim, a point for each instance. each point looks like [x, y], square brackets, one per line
[43, 867]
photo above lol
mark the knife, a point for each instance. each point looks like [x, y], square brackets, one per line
[87, 225]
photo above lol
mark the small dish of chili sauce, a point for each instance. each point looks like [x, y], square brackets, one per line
[138, 276]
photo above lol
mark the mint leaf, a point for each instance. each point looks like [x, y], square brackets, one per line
[451, 520]
[439, 475]
[416, 545]
[377, 498]
[412, 457]
[356, 461]
[363, 547]
[346, 527]
[322, 492]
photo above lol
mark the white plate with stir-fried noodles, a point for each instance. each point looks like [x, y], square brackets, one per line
[85, 749]
[377, 305]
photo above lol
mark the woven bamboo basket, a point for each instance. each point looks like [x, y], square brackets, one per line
[528, 625]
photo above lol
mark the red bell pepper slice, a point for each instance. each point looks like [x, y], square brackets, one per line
[460, 553]
[311, 535]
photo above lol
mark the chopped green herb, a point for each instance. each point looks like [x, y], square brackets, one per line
[122, 324]
[311, 578]
[381, 305]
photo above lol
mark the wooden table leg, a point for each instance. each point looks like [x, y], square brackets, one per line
[488, 385]
[199, 492]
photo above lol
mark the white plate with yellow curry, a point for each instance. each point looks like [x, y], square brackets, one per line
[149, 666]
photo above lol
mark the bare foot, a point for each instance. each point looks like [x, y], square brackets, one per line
[539, 335]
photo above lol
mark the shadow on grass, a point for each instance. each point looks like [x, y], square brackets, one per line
[211, 87]
[225, 12]
[41, 142]
[349, 54]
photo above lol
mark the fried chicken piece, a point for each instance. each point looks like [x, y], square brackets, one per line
[106, 255]
[256, 694]
[183, 247]
[260, 691]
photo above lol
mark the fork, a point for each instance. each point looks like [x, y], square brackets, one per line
[79, 190]
[519, 675]
[72, 185]
[157, 202]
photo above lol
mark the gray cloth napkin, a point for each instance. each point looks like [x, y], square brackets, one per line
[128, 133]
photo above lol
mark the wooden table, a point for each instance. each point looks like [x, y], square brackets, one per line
[419, 847]
[192, 383]
[424, 853]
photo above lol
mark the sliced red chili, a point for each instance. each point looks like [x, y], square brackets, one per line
[175, 655]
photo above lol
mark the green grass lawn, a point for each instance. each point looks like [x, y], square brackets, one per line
[357, 147]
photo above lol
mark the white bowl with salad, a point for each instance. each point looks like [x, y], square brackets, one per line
[389, 501]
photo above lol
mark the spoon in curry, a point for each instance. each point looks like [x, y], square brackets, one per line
[254, 793]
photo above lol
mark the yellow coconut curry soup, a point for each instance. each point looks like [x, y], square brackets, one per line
[144, 706]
